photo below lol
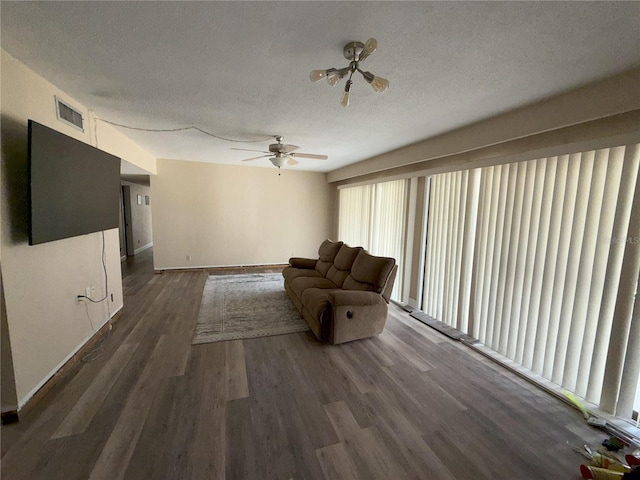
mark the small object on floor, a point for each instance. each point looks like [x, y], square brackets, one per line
[577, 403]
[613, 444]
[597, 422]
[608, 463]
[584, 450]
[633, 460]
[597, 473]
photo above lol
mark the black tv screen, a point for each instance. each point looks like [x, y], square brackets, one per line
[74, 188]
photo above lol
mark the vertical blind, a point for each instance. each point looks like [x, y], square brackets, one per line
[539, 261]
[374, 217]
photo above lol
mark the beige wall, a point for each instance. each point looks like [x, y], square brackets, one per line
[222, 215]
[8, 385]
[45, 323]
[609, 97]
[140, 217]
[107, 138]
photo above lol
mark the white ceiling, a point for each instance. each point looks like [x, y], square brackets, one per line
[241, 69]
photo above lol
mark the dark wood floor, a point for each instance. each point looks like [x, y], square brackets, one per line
[407, 404]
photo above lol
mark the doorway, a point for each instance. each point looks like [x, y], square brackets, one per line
[126, 227]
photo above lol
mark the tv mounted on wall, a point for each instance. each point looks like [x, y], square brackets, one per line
[74, 188]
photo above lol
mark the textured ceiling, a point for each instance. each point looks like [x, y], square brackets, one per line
[241, 69]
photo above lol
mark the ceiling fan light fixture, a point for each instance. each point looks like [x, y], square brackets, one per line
[280, 153]
[278, 161]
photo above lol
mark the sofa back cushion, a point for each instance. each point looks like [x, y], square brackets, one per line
[369, 272]
[342, 264]
[326, 253]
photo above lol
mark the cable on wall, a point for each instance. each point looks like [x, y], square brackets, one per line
[96, 351]
[106, 277]
[181, 129]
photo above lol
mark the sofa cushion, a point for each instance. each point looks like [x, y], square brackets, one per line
[300, 284]
[289, 273]
[328, 250]
[337, 276]
[342, 264]
[346, 256]
[323, 267]
[371, 270]
[326, 253]
[351, 283]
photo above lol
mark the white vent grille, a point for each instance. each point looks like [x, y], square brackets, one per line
[69, 115]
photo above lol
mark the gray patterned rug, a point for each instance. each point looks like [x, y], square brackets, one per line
[245, 306]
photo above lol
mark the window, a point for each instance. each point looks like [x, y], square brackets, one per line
[374, 217]
[538, 261]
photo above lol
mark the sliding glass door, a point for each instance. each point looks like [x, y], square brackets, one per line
[539, 261]
[374, 217]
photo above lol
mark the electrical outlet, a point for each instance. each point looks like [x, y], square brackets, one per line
[188, 257]
[87, 292]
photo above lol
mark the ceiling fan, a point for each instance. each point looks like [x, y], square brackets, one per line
[280, 153]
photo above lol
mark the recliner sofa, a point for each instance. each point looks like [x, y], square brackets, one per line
[344, 294]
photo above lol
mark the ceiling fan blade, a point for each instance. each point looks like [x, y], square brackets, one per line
[292, 161]
[247, 150]
[254, 158]
[289, 148]
[310, 155]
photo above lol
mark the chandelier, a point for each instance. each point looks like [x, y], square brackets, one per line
[355, 52]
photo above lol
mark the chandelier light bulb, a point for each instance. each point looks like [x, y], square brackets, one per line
[333, 77]
[345, 96]
[371, 46]
[345, 100]
[379, 84]
[316, 75]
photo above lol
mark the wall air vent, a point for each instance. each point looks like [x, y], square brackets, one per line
[69, 115]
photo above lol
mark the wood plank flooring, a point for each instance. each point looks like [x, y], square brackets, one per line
[409, 404]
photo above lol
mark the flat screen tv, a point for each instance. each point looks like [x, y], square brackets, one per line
[74, 188]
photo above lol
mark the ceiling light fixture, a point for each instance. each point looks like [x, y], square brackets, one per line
[355, 52]
[279, 160]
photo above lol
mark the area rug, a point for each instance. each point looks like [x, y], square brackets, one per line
[245, 306]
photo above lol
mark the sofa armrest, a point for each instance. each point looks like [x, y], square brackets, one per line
[354, 298]
[308, 263]
[355, 314]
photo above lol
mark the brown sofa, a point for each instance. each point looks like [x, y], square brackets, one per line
[344, 294]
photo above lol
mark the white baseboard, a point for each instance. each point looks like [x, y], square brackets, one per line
[143, 248]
